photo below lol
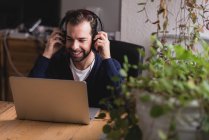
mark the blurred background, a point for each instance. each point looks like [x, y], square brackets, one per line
[29, 15]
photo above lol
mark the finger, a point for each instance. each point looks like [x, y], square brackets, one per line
[99, 43]
[56, 32]
[57, 36]
[103, 33]
[100, 36]
[55, 40]
[96, 45]
[103, 37]
[58, 44]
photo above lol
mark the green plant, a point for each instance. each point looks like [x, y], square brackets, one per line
[122, 109]
[191, 20]
[176, 75]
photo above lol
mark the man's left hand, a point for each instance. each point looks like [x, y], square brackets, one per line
[102, 44]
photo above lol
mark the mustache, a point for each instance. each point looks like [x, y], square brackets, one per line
[72, 50]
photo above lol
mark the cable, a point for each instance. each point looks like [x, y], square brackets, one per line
[5, 45]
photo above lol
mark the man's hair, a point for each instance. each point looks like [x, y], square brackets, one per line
[75, 17]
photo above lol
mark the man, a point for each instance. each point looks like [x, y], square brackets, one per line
[84, 57]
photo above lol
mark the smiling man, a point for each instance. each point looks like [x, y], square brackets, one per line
[79, 52]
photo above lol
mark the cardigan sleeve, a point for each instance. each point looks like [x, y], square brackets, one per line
[112, 67]
[40, 67]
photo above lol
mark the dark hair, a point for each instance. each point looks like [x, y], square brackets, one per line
[75, 17]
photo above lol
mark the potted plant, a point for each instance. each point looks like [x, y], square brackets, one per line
[171, 101]
[175, 94]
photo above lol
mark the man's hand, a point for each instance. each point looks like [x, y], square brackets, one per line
[102, 44]
[54, 43]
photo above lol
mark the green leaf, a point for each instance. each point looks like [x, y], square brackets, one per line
[205, 46]
[119, 102]
[162, 135]
[124, 123]
[145, 98]
[101, 115]
[114, 114]
[157, 111]
[125, 59]
[153, 38]
[107, 128]
[141, 52]
[134, 133]
[134, 66]
[123, 73]
[115, 135]
[159, 44]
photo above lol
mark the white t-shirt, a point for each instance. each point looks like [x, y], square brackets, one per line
[80, 75]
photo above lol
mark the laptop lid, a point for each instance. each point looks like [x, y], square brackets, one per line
[50, 99]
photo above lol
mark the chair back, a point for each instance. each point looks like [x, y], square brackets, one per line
[119, 49]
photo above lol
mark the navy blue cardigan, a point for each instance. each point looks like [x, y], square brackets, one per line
[100, 77]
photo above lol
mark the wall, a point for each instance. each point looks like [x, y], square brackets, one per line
[110, 11]
[134, 29]
[15, 12]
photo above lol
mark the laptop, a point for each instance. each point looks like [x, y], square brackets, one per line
[51, 100]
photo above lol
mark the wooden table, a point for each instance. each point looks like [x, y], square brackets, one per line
[14, 129]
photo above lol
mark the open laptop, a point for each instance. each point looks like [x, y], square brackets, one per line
[51, 100]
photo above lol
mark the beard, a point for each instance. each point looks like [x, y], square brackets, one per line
[78, 55]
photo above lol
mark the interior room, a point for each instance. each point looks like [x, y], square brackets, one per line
[161, 51]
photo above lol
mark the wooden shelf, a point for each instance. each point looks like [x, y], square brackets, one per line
[24, 53]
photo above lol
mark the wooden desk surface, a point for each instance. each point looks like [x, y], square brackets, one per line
[14, 129]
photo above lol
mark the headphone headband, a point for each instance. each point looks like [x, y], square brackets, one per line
[73, 15]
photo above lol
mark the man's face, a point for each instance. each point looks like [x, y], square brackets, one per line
[78, 41]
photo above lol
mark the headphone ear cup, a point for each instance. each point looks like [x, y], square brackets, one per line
[93, 41]
[62, 23]
[64, 34]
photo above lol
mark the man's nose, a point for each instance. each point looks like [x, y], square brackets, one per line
[74, 45]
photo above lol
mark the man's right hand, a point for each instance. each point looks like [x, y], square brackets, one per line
[54, 43]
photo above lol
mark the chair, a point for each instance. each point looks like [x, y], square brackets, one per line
[119, 49]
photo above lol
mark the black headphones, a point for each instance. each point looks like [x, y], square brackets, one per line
[76, 16]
